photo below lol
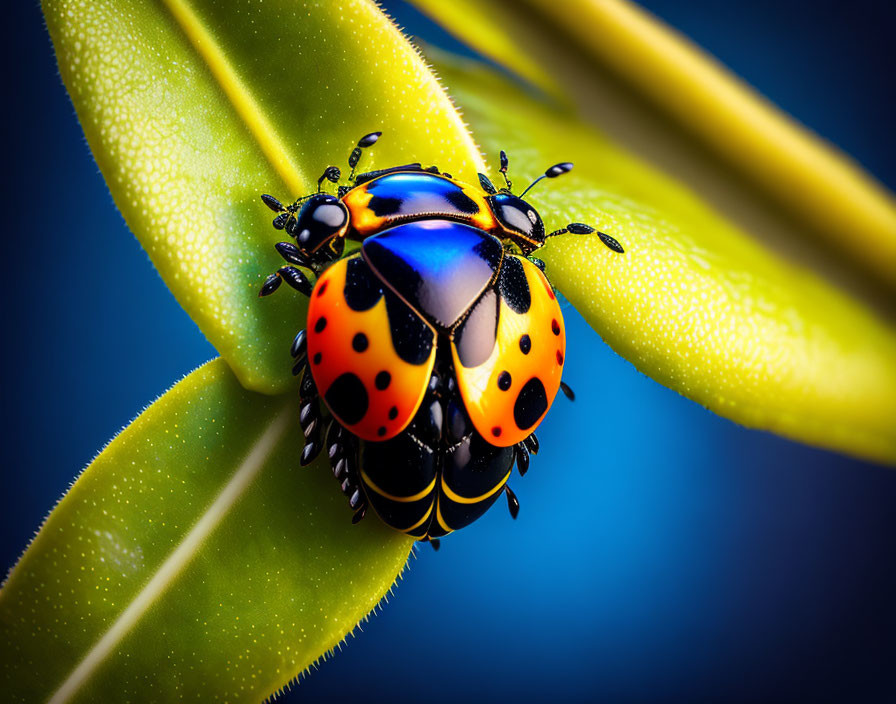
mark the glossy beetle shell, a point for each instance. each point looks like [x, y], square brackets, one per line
[436, 350]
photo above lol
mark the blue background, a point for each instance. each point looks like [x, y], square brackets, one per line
[675, 558]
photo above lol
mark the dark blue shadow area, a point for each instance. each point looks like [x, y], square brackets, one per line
[92, 333]
[662, 554]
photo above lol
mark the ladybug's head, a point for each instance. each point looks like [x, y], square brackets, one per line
[319, 225]
[521, 222]
[321, 222]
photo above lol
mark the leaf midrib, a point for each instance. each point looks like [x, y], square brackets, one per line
[239, 95]
[179, 558]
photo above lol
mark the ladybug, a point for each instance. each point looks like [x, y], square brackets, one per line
[437, 347]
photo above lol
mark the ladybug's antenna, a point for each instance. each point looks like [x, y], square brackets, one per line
[504, 170]
[553, 172]
[368, 140]
[331, 174]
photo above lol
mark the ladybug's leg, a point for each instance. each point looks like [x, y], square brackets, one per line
[577, 228]
[504, 164]
[568, 392]
[523, 451]
[290, 275]
[513, 503]
[293, 254]
[487, 184]
[522, 458]
[299, 352]
[343, 460]
[309, 417]
[532, 444]
[331, 174]
[368, 140]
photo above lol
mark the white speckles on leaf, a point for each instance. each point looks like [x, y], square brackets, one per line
[191, 118]
[694, 303]
[256, 616]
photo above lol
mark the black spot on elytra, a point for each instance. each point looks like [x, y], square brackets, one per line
[382, 381]
[513, 285]
[381, 431]
[347, 398]
[362, 290]
[462, 202]
[320, 324]
[531, 404]
[504, 380]
[359, 342]
[412, 338]
[555, 327]
[475, 337]
[383, 206]
[393, 413]
[316, 359]
[525, 344]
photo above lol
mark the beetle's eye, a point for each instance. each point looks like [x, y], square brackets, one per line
[516, 219]
[329, 215]
[517, 215]
[321, 218]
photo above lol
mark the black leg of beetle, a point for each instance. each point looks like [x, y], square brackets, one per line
[568, 392]
[522, 458]
[487, 184]
[293, 254]
[301, 361]
[271, 284]
[310, 418]
[436, 543]
[360, 513]
[532, 444]
[286, 218]
[368, 140]
[331, 174]
[343, 457]
[290, 275]
[504, 164]
[578, 228]
[299, 346]
[273, 203]
[351, 486]
[512, 502]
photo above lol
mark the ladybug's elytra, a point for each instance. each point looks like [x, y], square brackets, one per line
[437, 348]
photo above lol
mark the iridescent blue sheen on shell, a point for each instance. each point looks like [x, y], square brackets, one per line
[438, 267]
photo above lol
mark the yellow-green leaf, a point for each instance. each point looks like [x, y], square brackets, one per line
[193, 559]
[666, 99]
[694, 302]
[192, 109]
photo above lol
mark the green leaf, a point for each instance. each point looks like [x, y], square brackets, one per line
[665, 99]
[694, 302]
[193, 559]
[192, 109]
